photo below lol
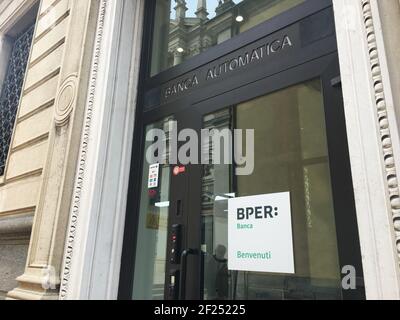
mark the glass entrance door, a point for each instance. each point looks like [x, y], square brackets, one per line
[296, 147]
[290, 155]
[283, 110]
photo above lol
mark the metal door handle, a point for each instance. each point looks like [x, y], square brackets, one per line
[182, 283]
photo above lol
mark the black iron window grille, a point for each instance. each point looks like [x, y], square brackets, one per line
[11, 92]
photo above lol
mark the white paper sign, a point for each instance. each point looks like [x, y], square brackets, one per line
[260, 235]
[154, 171]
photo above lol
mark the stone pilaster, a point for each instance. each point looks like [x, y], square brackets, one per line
[41, 278]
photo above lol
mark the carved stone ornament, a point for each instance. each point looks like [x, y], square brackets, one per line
[392, 180]
[65, 100]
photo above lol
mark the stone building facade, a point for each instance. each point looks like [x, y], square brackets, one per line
[65, 180]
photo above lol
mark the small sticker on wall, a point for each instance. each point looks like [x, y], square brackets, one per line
[154, 171]
[178, 170]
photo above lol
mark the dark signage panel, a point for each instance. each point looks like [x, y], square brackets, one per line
[283, 49]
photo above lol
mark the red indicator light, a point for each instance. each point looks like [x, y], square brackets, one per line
[178, 170]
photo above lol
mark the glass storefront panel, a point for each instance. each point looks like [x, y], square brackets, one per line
[151, 249]
[291, 154]
[183, 29]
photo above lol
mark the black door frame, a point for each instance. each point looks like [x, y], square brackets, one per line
[317, 60]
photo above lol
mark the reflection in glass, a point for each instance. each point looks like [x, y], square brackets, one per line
[216, 185]
[185, 28]
[291, 155]
[152, 229]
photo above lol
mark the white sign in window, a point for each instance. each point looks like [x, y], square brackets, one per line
[260, 237]
[154, 172]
